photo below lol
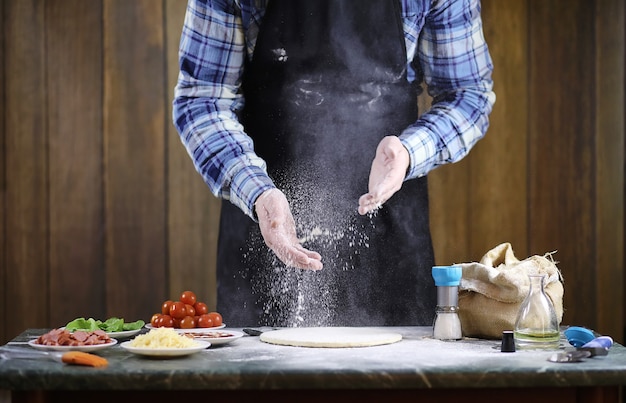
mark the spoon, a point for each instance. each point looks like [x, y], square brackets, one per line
[569, 356]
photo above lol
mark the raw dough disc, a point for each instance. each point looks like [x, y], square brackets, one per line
[330, 337]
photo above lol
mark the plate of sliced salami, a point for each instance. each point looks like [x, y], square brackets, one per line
[85, 348]
[64, 340]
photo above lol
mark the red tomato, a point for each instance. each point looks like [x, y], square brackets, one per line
[187, 322]
[188, 297]
[178, 310]
[190, 310]
[165, 308]
[216, 317]
[205, 321]
[159, 322]
[201, 308]
[155, 319]
[166, 321]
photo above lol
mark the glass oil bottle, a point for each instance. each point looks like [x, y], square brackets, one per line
[536, 326]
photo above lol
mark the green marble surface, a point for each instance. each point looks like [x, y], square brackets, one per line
[418, 361]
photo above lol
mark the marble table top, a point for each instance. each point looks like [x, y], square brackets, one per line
[417, 361]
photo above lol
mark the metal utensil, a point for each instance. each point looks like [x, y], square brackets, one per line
[569, 356]
[595, 351]
[256, 331]
[252, 332]
[7, 353]
[68, 357]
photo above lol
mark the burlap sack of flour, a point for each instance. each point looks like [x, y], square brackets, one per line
[491, 291]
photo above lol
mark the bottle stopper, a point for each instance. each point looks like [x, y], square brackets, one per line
[508, 342]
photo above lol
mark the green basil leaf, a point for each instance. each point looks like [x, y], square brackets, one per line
[82, 324]
[112, 325]
[134, 325]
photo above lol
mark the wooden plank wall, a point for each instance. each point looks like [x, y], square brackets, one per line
[103, 213]
[562, 168]
[25, 265]
[610, 124]
[74, 136]
[193, 211]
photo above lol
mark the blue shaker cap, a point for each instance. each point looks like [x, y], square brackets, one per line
[578, 336]
[447, 276]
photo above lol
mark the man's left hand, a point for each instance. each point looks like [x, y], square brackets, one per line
[387, 174]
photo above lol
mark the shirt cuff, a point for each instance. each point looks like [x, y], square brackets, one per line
[422, 152]
[247, 185]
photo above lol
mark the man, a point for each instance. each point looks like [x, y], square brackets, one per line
[291, 110]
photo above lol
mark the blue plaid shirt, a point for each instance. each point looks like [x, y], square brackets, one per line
[445, 49]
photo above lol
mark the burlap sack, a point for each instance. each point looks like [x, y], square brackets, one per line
[491, 291]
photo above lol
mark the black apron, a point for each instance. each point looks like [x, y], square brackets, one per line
[327, 82]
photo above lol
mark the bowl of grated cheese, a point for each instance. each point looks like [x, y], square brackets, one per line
[164, 341]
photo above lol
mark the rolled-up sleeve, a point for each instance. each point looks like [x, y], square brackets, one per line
[456, 65]
[208, 98]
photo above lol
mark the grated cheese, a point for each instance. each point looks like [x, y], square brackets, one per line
[162, 337]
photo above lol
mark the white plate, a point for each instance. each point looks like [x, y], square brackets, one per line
[195, 329]
[118, 335]
[212, 336]
[88, 348]
[125, 333]
[165, 352]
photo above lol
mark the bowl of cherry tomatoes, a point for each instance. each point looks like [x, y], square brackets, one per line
[187, 312]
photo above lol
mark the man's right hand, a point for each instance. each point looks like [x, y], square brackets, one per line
[279, 231]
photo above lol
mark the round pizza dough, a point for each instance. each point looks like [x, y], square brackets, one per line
[330, 337]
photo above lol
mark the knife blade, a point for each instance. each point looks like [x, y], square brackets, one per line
[7, 353]
[256, 331]
[252, 332]
[70, 357]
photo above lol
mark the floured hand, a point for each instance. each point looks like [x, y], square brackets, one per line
[387, 174]
[279, 231]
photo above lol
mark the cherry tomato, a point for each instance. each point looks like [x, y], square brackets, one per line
[187, 322]
[155, 319]
[159, 322]
[201, 308]
[178, 310]
[216, 317]
[188, 297]
[191, 311]
[205, 321]
[165, 308]
[166, 321]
